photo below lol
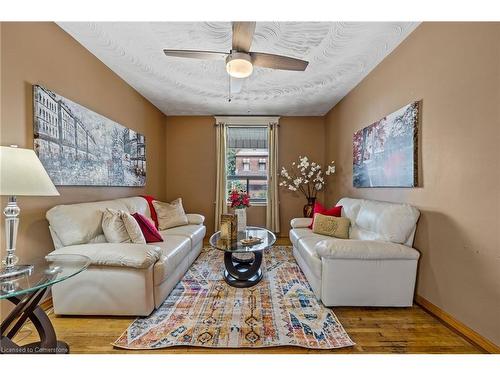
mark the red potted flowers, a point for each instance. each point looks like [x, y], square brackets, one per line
[240, 200]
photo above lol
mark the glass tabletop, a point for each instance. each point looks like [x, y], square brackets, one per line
[46, 271]
[267, 240]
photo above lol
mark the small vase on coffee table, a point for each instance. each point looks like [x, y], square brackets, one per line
[241, 214]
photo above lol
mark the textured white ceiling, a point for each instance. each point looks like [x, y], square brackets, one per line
[340, 55]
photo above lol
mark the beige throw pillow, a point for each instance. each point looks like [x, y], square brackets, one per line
[331, 226]
[133, 228]
[114, 227]
[121, 227]
[170, 214]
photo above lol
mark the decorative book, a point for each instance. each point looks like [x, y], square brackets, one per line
[229, 227]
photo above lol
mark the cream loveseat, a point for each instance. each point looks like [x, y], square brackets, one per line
[124, 278]
[376, 266]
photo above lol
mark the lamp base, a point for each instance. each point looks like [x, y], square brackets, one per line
[13, 272]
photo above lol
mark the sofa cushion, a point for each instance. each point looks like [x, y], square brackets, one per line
[377, 220]
[335, 248]
[101, 238]
[174, 249]
[80, 223]
[115, 254]
[135, 204]
[307, 249]
[194, 232]
[297, 233]
[350, 208]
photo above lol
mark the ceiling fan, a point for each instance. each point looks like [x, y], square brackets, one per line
[240, 61]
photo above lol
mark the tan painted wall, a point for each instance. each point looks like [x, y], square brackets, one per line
[455, 69]
[191, 164]
[42, 53]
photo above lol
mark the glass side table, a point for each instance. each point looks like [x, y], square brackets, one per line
[26, 292]
[243, 273]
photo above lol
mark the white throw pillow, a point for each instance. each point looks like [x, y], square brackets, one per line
[170, 214]
[113, 226]
[121, 227]
[133, 228]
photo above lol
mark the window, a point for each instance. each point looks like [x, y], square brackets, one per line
[262, 164]
[246, 165]
[246, 160]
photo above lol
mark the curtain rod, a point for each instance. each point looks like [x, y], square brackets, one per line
[247, 126]
[247, 120]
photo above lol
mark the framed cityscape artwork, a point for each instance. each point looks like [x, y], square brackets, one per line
[80, 147]
[385, 152]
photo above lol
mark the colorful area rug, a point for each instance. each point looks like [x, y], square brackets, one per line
[204, 311]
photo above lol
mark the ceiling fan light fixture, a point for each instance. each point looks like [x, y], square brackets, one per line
[239, 65]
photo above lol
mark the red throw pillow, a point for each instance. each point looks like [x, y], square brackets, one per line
[149, 231]
[320, 209]
[150, 200]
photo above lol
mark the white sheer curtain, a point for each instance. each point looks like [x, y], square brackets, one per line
[220, 189]
[273, 208]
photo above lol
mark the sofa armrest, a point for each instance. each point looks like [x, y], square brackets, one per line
[115, 254]
[301, 222]
[363, 249]
[196, 219]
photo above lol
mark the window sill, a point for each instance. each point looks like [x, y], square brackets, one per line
[259, 204]
[256, 204]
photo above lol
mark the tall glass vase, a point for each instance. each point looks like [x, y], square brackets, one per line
[241, 214]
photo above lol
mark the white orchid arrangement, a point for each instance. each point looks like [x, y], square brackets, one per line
[306, 176]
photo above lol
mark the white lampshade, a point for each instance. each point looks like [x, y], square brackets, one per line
[22, 173]
[239, 65]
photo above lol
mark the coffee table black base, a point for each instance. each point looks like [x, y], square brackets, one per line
[243, 283]
[28, 309]
[243, 273]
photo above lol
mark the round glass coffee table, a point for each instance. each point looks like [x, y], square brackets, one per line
[26, 292]
[243, 272]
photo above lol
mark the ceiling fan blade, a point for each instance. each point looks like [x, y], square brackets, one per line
[243, 35]
[236, 84]
[268, 60]
[203, 55]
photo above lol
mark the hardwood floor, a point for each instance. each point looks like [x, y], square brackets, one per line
[375, 330]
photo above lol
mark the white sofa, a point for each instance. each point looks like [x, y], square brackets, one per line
[124, 278]
[376, 266]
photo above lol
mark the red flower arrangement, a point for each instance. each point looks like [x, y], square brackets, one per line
[239, 199]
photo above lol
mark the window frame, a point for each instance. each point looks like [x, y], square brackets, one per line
[249, 178]
[249, 121]
[262, 163]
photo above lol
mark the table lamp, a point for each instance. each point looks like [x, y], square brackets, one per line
[21, 173]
